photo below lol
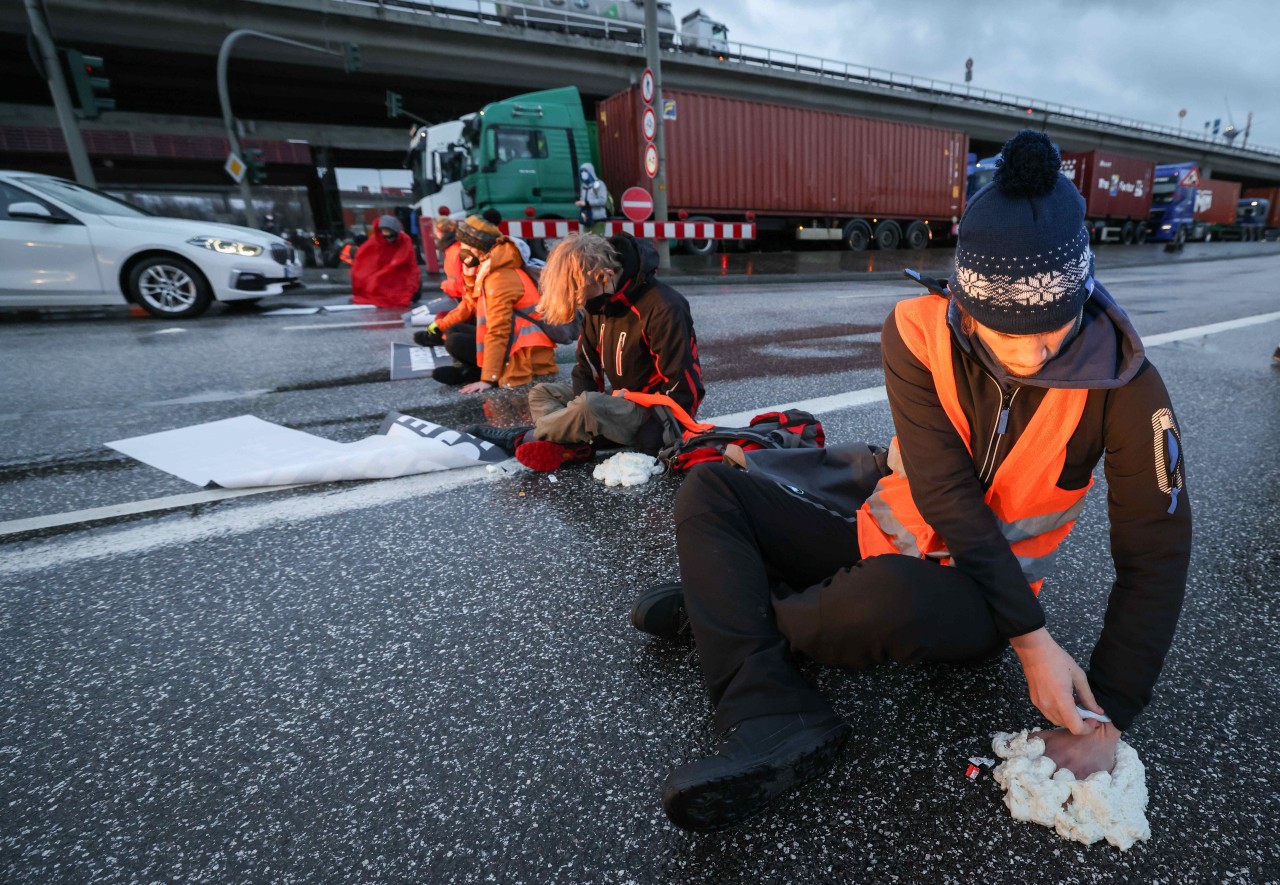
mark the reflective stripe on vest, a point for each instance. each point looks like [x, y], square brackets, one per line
[1034, 515]
[526, 334]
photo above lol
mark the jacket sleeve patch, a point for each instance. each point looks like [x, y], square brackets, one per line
[1168, 455]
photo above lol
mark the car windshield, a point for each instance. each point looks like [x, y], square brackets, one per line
[81, 198]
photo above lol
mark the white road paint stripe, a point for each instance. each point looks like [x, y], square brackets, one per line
[311, 326]
[1211, 329]
[386, 491]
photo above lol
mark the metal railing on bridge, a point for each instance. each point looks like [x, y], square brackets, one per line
[585, 25]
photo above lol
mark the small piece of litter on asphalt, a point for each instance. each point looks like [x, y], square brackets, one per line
[552, 478]
[522, 494]
[972, 771]
[982, 760]
[167, 331]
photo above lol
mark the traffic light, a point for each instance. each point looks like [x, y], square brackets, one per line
[255, 166]
[394, 102]
[91, 87]
[350, 57]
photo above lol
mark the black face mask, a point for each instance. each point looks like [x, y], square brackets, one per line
[471, 259]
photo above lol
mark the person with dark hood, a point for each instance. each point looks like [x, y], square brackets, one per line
[385, 272]
[450, 249]
[1007, 386]
[637, 335]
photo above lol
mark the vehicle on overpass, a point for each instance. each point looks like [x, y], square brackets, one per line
[621, 20]
[817, 176]
[64, 245]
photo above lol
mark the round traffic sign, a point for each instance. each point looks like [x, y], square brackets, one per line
[650, 124]
[637, 205]
[651, 159]
[646, 86]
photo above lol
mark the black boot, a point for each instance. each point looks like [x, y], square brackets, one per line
[758, 760]
[659, 611]
[456, 375]
[505, 438]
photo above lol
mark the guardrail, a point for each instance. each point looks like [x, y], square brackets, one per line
[591, 26]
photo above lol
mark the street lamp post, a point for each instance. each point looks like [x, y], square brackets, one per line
[224, 54]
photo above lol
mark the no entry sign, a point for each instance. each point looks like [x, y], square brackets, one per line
[637, 204]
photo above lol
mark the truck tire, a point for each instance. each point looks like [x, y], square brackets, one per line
[888, 235]
[917, 235]
[1140, 232]
[700, 247]
[1127, 235]
[857, 235]
[1180, 236]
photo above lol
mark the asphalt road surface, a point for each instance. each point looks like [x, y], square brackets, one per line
[432, 679]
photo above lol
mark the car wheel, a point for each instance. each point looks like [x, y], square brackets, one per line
[169, 287]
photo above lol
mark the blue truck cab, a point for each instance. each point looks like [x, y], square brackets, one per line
[1173, 204]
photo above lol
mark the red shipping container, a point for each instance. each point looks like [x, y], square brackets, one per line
[1267, 193]
[1216, 201]
[728, 156]
[1114, 186]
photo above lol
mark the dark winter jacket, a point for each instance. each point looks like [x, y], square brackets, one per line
[640, 337]
[1128, 418]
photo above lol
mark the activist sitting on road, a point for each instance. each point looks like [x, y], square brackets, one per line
[637, 335]
[385, 272]
[503, 348]
[1005, 391]
[450, 256]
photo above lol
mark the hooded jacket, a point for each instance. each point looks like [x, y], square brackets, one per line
[1127, 418]
[593, 192]
[385, 274]
[640, 337]
[451, 250]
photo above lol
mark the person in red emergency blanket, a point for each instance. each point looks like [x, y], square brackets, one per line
[1007, 386]
[385, 273]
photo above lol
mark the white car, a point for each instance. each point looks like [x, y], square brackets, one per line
[62, 244]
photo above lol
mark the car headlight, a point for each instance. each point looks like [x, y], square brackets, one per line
[227, 247]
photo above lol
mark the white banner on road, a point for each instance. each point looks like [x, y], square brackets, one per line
[245, 452]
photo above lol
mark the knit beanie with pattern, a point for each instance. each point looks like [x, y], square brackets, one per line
[1023, 262]
[477, 233]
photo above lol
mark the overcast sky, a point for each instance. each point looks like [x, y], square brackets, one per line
[1130, 58]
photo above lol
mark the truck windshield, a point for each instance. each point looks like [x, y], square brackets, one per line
[1163, 189]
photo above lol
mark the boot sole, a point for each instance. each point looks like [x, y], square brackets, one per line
[726, 800]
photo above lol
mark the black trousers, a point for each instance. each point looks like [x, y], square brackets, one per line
[460, 343]
[766, 572]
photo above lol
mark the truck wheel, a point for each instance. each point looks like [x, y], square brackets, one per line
[857, 235]
[169, 287]
[1140, 232]
[1180, 236]
[888, 235]
[699, 247]
[917, 235]
[1127, 234]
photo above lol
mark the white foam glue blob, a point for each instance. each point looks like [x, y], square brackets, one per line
[627, 469]
[1104, 805]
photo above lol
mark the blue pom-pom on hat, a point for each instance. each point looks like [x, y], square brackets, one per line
[1023, 262]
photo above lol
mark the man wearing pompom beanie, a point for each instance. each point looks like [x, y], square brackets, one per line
[1005, 394]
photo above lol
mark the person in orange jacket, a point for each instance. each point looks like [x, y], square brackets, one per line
[491, 343]
[385, 272]
[451, 256]
[1007, 386]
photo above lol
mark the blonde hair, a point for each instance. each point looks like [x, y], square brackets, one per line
[570, 266]
[445, 224]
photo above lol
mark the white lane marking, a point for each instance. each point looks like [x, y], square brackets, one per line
[895, 293]
[818, 405]
[312, 326]
[138, 539]
[1212, 328]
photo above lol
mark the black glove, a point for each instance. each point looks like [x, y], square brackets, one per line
[431, 336]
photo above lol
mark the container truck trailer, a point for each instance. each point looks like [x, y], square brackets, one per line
[1262, 203]
[1117, 193]
[800, 174]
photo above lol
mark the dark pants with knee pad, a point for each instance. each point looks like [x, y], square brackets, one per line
[766, 572]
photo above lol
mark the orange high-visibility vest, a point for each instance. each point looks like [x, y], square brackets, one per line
[1034, 514]
[348, 254]
[525, 333]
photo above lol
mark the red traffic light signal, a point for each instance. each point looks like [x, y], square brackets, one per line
[91, 87]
